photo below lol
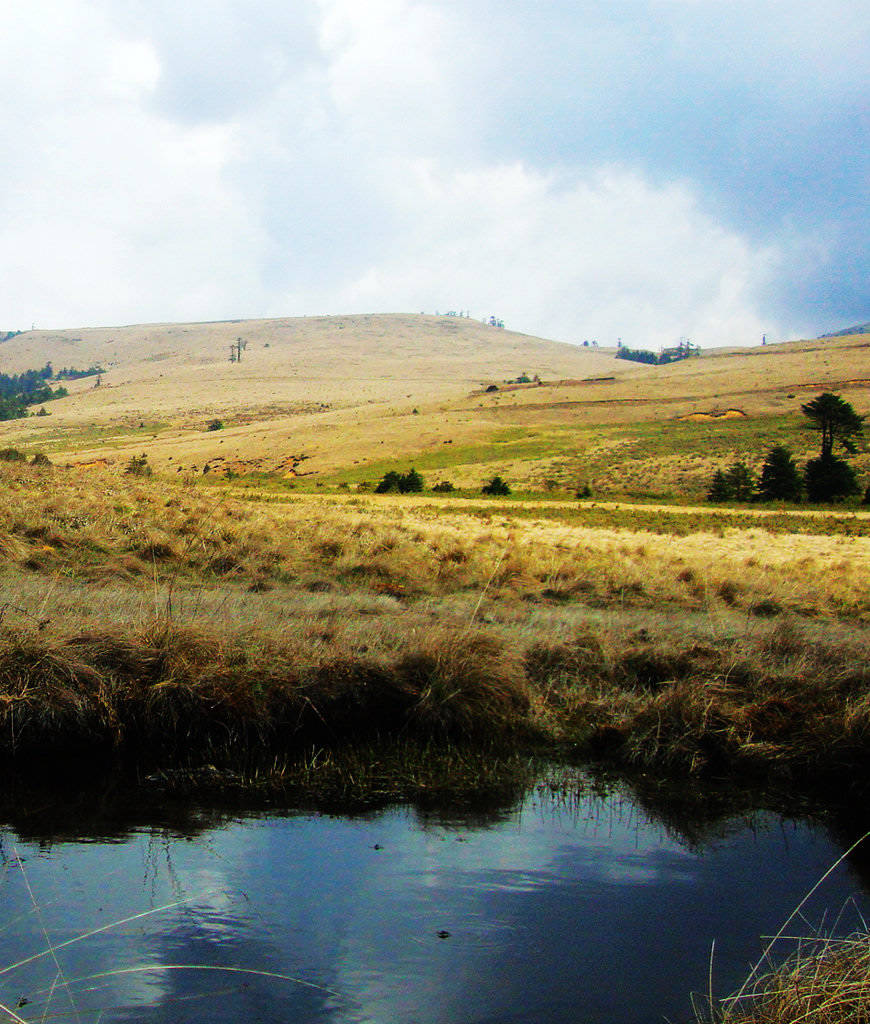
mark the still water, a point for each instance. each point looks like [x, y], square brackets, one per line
[558, 909]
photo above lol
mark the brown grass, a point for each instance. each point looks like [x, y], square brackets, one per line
[784, 702]
[826, 981]
[170, 694]
[316, 397]
[173, 618]
[104, 525]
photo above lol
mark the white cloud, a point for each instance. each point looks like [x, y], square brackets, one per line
[110, 212]
[534, 161]
[599, 257]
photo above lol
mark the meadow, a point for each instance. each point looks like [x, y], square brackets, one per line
[243, 612]
[180, 623]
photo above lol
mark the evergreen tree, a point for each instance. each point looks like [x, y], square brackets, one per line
[780, 478]
[836, 420]
[411, 482]
[829, 479]
[403, 483]
[740, 481]
[734, 484]
[496, 486]
[719, 489]
[388, 483]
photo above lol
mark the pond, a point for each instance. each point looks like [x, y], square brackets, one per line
[571, 905]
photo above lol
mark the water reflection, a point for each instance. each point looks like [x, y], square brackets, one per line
[565, 909]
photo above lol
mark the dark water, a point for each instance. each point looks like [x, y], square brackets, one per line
[561, 909]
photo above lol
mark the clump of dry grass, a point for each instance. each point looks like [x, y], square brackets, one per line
[175, 694]
[780, 704]
[826, 981]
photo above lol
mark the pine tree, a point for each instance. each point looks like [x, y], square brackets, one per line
[780, 478]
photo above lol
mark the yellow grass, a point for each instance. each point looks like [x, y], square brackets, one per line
[98, 525]
[341, 391]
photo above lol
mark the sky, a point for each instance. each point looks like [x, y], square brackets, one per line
[642, 170]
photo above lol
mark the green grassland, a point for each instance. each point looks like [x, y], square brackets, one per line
[672, 461]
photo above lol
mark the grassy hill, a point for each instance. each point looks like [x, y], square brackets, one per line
[857, 329]
[336, 401]
[189, 617]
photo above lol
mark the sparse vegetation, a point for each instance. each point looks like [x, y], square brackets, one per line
[138, 466]
[496, 486]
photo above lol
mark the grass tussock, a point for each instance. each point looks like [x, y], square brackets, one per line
[782, 705]
[174, 694]
[779, 705]
[826, 981]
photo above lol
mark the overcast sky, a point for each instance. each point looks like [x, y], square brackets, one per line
[641, 169]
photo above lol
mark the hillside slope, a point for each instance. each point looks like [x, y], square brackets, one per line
[341, 398]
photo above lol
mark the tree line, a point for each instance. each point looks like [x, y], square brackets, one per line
[412, 483]
[20, 390]
[824, 478]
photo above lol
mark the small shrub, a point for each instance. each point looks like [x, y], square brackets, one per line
[496, 486]
[443, 487]
[12, 455]
[40, 459]
[215, 425]
[138, 466]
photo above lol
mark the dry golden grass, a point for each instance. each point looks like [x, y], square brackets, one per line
[320, 396]
[681, 652]
[826, 981]
[102, 526]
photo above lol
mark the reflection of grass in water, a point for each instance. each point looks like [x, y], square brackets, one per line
[40, 1001]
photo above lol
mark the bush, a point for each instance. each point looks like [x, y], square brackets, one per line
[215, 425]
[40, 459]
[401, 483]
[496, 486]
[12, 455]
[829, 479]
[443, 487]
[138, 466]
